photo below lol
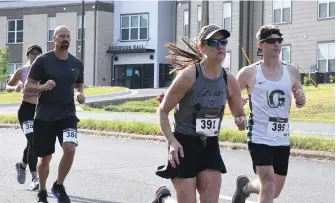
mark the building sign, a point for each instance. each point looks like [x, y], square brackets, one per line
[135, 46]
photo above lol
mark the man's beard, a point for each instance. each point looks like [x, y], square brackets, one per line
[65, 45]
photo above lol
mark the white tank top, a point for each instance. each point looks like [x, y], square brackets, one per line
[270, 105]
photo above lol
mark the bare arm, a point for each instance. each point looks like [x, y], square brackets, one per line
[32, 85]
[181, 84]
[14, 81]
[295, 75]
[235, 99]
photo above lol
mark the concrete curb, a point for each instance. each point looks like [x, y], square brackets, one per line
[310, 154]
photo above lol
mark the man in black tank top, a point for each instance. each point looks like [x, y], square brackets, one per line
[269, 146]
[199, 94]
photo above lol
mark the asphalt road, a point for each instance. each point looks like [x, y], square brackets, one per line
[113, 170]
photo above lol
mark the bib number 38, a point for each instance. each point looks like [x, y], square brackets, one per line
[27, 127]
[70, 135]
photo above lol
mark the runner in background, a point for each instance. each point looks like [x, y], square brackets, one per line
[26, 117]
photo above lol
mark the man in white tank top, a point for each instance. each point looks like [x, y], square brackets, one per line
[270, 84]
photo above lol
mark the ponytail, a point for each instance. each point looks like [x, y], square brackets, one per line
[181, 58]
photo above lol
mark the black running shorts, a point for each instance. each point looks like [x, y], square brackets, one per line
[197, 158]
[45, 133]
[265, 155]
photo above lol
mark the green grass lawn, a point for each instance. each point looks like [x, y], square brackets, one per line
[320, 106]
[16, 97]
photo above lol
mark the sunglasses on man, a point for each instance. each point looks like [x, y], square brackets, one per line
[215, 42]
[272, 40]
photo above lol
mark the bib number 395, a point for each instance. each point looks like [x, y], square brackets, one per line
[278, 127]
[70, 135]
[27, 127]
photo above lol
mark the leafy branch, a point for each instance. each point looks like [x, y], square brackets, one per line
[4, 64]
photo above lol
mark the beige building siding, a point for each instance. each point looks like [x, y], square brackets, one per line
[303, 32]
[88, 47]
[70, 20]
[3, 27]
[30, 34]
[104, 40]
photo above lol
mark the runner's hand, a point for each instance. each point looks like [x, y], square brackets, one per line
[80, 98]
[49, 85]
[160, 98]
[299, 96]
[18, 88]
[175, 149]
[241, 122]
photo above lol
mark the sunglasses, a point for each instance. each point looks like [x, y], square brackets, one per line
[215, 42]
[272, 40]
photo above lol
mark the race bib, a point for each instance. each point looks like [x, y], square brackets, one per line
[27, 127]
[278, 127]
[207, 126]
[70, 135]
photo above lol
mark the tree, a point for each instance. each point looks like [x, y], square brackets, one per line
[4, 64]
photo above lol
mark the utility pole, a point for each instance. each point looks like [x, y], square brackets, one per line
[82, 33]
[205, 13]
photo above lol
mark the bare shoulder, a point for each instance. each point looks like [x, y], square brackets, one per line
[188, 73]
[293, 69]
[248, 70]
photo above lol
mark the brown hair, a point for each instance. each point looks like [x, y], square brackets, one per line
[266, 31]
[180, 58]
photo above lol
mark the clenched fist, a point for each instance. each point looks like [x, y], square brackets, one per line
[49, 85]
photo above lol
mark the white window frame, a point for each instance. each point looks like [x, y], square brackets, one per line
[199, 17]
[317, 55]
[130, 26]
[282, 9]
[51, 28]
[15, 31]
[328, 8]
[79, 27]
[16, 66]
[227, 14]
[226, 64]
[288, 47]
[186, 30]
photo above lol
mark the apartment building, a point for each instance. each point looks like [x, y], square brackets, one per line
[141, 28]
[33, 22]
[308, 28]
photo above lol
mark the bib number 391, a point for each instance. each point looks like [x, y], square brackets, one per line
[70, 135]
[207, 126]
[27, 127]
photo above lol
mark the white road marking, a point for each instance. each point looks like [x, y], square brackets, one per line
[230, 198]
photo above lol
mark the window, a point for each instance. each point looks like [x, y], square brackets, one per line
[227, 62]
[285, 54]
[281, 11]
[227, 15]
[326, 9]
[80, 29]
[15, 31]
[199, 17]
[186, 23]
[51, 27]
[134, 27]
[13, 67]
[326, 57]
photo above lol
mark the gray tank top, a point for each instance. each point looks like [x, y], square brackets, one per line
[201, 110]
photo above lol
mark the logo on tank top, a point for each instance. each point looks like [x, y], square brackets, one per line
[276, 99]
